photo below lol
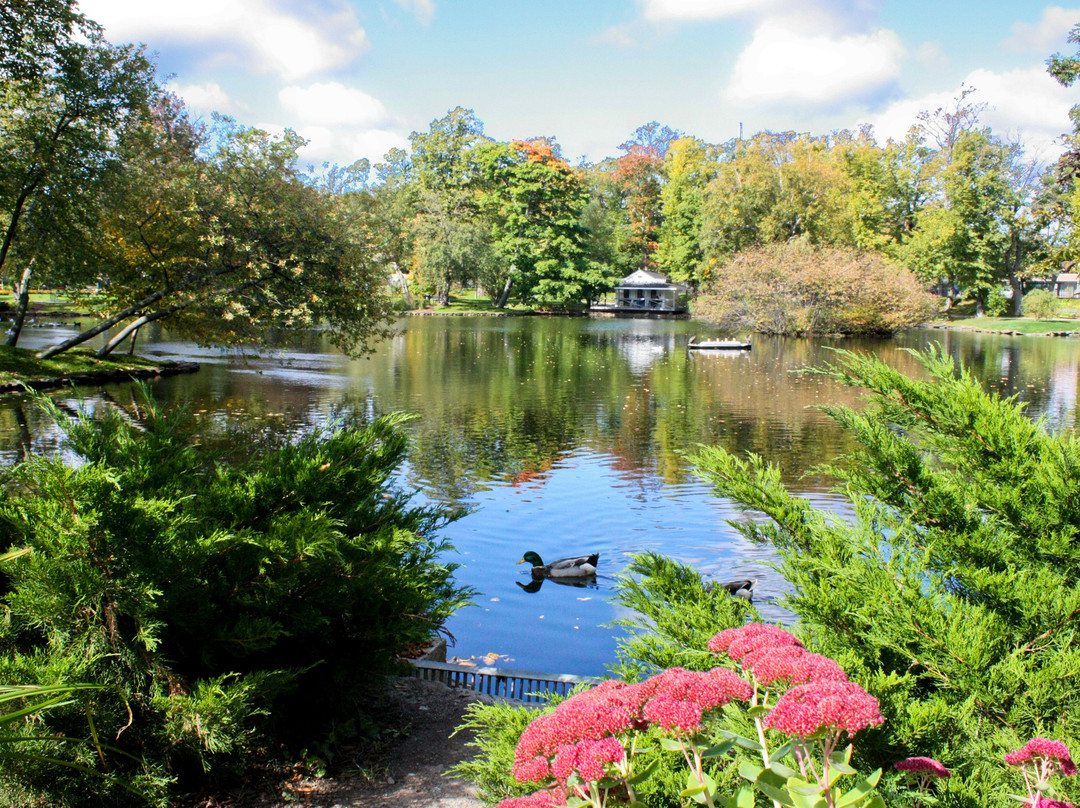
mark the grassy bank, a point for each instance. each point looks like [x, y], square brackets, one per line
[19, 364]
[484, 305]
[1023, 325]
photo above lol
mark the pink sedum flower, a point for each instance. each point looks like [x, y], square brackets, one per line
[737, 642]
[591, 715]
[751, 659]
[1054, 752]
[531, 769]
[587, 759]
[609, 709]
[548, 798]
[673, 715]
[1043, 802]
[708, 690]
[922, 765]
[791, 665]
[807, 709]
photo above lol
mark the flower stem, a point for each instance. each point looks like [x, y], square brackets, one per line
[761, 731]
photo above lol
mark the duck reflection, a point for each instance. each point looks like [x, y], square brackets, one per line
[581, 583]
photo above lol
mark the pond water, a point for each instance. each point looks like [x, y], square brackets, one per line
[567, 436]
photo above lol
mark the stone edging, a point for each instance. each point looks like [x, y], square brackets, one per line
[93, 377]
[973, 329]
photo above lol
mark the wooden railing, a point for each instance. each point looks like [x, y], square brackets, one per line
[527, 686]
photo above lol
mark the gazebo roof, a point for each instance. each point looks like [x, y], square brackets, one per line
[647, 278]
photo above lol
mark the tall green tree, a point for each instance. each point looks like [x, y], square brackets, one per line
[774, 188]
[57, 132]
[535, 202]
[391, 206]
[32, 32]
[224, 236]
[450, 244]
[976, 226]
[690, 164]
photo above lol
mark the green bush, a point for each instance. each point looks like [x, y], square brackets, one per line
[996, 302]
[800, 289]
[676, 614]
[233, 601]
[1040, 304]
[950, 590]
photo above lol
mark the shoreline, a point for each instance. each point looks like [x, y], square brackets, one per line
[999, 331]
[99, 377]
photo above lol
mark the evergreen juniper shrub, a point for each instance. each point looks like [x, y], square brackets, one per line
[231, 603]
[949, 595]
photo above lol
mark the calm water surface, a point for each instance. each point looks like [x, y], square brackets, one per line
[566, 436]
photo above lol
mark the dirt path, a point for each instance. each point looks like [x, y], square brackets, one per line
[408, 774]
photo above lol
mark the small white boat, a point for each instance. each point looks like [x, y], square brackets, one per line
[718, 344]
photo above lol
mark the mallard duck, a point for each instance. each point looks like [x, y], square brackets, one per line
[742, 588]
[579, 567]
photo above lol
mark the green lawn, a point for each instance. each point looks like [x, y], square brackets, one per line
[483, 304]
[18, 363]
[1025, 325]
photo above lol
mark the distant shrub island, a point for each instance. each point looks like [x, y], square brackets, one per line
[799, 289]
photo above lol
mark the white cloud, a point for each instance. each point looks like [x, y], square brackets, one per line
[1046, 35]
[331, 104]
[242, 30]
[621, 36]
[327, 145]
[700, 9]
[782, 64]
[1025, 104]
[932, 56]
[423, 9]
[203, 99]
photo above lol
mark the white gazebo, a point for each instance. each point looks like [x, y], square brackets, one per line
[648, 291]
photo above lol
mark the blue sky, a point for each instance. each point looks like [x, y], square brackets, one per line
[355, 77]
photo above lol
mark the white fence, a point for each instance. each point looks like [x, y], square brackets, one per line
[527, 686]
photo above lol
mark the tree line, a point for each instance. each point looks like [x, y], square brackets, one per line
[110, 184]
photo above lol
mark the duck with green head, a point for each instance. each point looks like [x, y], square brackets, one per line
[577, 567]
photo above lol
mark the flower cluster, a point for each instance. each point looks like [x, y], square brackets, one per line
[708, 690]
[1054, 754]
[808, 709]
[584, 740]
[548, 798]
[587, 758]
[738, 642]
[775, 657]
[922, 766]
[1038, 759]
[675, 700]
[609, 709]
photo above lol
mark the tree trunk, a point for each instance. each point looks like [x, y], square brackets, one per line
[1017, 303]
[119, 317]
[133, 328]
[26, 442]
[504, 296]
[23, 292]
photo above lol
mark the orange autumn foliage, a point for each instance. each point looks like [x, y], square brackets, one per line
[798, 289]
